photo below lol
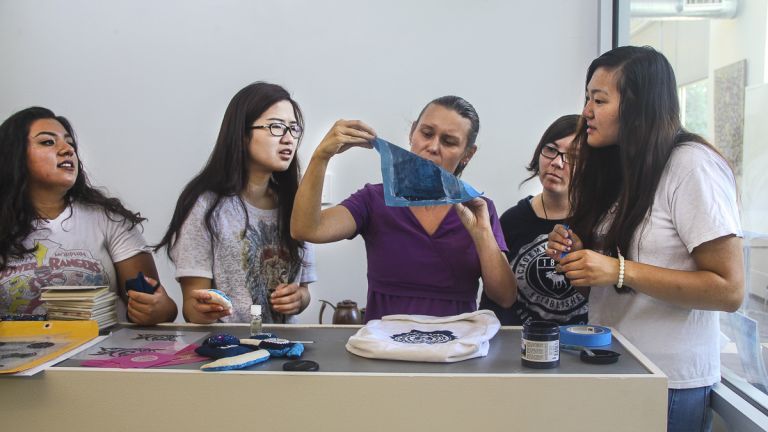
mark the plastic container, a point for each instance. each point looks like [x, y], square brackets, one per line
[255, 319]
[540, 348]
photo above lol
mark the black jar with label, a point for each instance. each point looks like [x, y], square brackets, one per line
[540, 348]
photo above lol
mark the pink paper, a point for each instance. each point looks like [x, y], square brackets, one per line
[148, 360]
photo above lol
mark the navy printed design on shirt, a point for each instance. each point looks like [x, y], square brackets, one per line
[422, 337]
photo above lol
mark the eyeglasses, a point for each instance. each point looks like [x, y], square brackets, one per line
[551, 152]
[280, 129]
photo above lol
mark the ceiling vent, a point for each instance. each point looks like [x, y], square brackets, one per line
[672, 9]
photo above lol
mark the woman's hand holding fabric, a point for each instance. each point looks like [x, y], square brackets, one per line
[589, 268]
[343, 135]
[474, 216]
[204, 312]
[150, 309]
[562, 240]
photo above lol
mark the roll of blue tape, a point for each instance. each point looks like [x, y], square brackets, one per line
[585, 335]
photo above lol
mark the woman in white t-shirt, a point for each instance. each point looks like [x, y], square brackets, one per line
[231, 227]
[56, 229]
[655, 228]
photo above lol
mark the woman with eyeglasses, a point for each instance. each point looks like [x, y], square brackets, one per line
[421, 260]
[542, 293]
[231, 227]
[654, 229]
[57, 229]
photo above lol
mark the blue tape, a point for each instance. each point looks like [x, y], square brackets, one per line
[585, 335]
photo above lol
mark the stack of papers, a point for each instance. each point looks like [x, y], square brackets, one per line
[65, 303]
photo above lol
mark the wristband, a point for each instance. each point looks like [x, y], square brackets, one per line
[620, 283]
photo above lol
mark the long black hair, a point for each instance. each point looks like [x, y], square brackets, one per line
[626, 175]
[17, 213]
[226, 172]
[562, 127]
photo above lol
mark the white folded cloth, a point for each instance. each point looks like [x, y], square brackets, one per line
[426, 338]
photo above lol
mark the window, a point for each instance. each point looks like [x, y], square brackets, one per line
[719, 52]
[693, 107]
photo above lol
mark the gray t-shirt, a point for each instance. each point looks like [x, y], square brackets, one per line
[245, 262]
[695, 202]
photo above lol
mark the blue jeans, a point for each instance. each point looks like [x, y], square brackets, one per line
[688, 410]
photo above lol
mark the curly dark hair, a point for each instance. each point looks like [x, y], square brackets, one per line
[17, 213]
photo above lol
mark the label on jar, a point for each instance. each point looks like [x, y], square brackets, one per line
[540, 351]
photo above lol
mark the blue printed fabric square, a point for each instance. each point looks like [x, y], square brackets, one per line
[410, 180]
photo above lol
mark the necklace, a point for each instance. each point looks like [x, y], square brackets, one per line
[543, 207]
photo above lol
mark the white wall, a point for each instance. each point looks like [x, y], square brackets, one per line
[145, 84]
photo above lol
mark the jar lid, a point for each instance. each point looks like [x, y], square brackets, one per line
[255, 309]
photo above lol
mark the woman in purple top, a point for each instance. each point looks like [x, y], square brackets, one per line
[421, 260]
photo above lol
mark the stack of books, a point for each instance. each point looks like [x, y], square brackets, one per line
[81, 303]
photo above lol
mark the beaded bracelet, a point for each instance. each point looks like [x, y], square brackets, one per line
[621, 271]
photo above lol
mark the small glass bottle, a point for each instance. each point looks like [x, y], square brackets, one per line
[255, 319]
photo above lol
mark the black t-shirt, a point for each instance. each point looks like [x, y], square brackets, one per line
[542, 294]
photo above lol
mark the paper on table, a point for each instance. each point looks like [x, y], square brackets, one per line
[410, 180]
[61, 358]
[129, 341]
[27, 344]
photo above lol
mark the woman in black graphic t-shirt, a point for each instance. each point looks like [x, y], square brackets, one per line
[542, 293]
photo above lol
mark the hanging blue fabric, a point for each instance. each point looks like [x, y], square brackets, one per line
[410, 180]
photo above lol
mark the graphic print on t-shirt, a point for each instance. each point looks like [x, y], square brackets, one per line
[266, 266]
[424, 337]
[49, 265]
[545, 292]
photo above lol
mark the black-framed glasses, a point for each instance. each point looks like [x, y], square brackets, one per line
[551, 152]
[280, 129]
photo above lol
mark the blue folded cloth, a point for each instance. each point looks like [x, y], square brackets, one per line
[221, 346]
[222, 352]
[410, 180]
[294, 351]
[277, 347]
[221, 340]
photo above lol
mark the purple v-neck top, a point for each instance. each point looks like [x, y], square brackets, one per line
[409, 271]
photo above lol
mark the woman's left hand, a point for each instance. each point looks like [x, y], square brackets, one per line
[289, 298]
[586, 267]
[149, 309]
[474, 215]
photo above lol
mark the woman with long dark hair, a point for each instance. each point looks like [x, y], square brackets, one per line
[57, 229]
[655, 228]
[542, 293]
[421, 260]
[231, 226]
